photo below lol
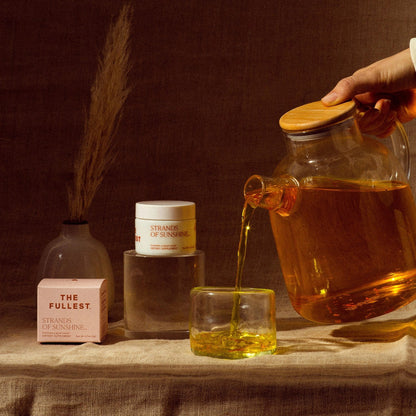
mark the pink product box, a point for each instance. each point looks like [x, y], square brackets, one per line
[72, 310]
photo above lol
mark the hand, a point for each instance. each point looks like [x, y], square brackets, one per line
[384, 91]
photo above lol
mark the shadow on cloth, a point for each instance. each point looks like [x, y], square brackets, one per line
[310, 337]
[309, 345]
[314, 337]
[377, 331]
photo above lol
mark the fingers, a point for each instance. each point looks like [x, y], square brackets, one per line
[378, 121]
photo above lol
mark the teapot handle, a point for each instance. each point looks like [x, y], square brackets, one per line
[400, 147]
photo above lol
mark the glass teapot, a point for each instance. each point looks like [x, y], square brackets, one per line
[343, 216]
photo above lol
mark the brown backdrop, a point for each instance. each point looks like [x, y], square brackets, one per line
[210, 79]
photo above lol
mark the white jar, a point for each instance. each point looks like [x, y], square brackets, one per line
[165, 228]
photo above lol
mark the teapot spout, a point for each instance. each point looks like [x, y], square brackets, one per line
[278, 194]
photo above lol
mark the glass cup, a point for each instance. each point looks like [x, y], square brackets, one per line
[229, 323]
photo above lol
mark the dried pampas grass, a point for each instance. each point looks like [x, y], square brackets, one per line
[108, 95]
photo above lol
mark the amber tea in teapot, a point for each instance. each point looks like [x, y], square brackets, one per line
[343, 219]
[361, 263]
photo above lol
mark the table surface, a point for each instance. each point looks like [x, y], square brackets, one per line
[361, 368]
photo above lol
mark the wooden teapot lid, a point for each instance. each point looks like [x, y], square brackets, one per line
[315, 115]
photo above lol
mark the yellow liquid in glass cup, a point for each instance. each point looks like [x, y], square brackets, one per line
[230, 323]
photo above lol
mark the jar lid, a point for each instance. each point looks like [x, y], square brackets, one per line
[165, 210]
[315, 115]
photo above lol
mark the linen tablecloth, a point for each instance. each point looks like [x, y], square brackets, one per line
[366, 368]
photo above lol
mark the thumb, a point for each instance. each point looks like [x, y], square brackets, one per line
[345, 90]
